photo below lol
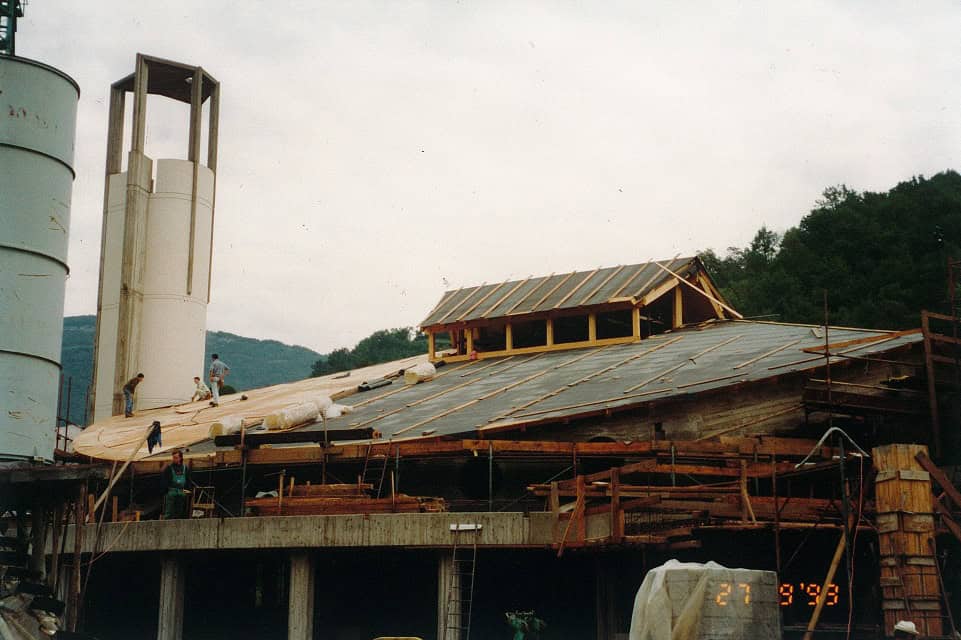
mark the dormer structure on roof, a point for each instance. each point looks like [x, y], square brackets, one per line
[611, 305]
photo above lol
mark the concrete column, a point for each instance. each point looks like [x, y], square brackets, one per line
[445, 583]
[300, 616]
[170, 625]
[605, 578]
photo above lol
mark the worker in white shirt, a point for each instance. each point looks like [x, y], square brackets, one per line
[201, 391]
[218, 371]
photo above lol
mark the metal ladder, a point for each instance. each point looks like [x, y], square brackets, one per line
[460, 588]
[371, 474]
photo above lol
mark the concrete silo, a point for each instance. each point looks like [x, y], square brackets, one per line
[38, 115]
[156, 245]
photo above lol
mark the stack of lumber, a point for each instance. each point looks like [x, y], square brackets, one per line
[331, 499]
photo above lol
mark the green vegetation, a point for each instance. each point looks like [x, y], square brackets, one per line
[253, 363]
[881, 256]
[381, 346]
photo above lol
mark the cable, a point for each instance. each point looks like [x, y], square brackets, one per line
[825, 437]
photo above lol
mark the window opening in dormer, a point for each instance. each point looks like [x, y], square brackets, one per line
[532, 333]
[615, 324]
[492, 337]
[571, 329]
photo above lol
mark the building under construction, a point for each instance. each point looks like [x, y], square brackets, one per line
[563, 435]
[560, 436]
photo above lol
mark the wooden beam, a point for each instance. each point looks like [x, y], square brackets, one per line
[505, 297]
[576, 288]
[703, 293]
[529, 294]
[766, 354]
[684, 362]
[946, 485]
[482, 300]
[467, 297]
[633, 277]
[888, 335]
[594, 291]
[553, 289]
[932, 384]
[677, 320]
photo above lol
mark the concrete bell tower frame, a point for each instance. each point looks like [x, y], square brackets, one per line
[156, 244]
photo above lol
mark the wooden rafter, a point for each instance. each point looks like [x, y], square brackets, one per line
[683, 280]
[482, 300]
[648, 282]
[576, 288]
[594, 291]
[445, 299]
[553, 289]
[461, 303]
[528, 294]
[765, 355]
[678, 366]
[633, 277]
[862, 341]
[505, 296]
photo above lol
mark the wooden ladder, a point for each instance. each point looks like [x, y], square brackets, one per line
[460, 587]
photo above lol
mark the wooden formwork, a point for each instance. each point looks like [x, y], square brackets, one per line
[909, 579]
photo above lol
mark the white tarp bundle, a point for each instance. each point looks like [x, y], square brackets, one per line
[693, 601]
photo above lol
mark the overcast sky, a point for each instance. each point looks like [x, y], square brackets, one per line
[374, 154]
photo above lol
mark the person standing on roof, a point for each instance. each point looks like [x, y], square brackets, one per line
[128, 390]
[218, 371]
[201, 391]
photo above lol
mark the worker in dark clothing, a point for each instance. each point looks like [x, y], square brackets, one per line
[176, 480]
[128, 390]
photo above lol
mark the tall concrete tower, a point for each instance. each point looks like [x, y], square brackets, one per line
[156, 245]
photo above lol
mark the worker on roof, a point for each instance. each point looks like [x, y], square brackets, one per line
[201, 391]
[218, 371]
[905, 630]
[128, 390]
[176, 478]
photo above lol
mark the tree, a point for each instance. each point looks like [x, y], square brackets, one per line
[381, 346]
[880, 256]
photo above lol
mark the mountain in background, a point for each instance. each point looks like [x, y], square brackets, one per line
[253, 363]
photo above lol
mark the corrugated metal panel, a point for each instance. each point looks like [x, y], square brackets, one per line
[561, 291]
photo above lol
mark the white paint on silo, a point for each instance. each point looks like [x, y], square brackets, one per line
[174, 321]
[38, 114]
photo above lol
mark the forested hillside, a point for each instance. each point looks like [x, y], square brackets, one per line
[381, 346]
[253, 363]
[881, 256]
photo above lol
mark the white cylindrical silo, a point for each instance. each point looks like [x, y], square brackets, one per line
[175, 314]
[38, 114]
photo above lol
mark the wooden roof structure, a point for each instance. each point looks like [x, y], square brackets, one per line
[481, 398]
[610, 285]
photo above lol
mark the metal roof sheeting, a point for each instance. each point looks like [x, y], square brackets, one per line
[563, 384]
[547, 293]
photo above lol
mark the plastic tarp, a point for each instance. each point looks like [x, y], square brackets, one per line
[694, 601]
